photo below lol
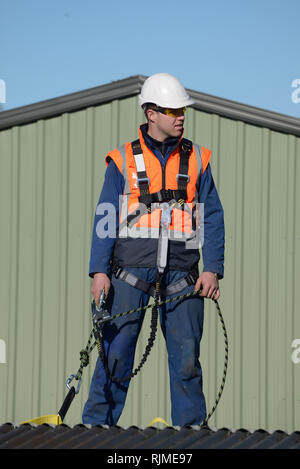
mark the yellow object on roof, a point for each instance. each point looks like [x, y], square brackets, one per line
[50, 419]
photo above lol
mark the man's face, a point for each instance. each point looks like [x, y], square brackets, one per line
[165, 126]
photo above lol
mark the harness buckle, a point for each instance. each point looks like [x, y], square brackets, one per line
[184, 177]
[116, 270]
[166, 214]
[192, 277]
[143, 181]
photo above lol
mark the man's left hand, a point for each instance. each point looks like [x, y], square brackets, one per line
[210, 285]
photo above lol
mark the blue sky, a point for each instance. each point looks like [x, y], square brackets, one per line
[243, 50]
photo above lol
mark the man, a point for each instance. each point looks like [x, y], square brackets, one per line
[160, 187]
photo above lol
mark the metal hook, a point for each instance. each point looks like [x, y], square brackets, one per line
[69, 381]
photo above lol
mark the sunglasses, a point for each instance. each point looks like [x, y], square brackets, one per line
[171, 112]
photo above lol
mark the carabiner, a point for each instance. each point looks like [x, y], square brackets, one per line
[69, 381]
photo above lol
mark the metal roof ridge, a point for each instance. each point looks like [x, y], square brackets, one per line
[175, 427]
[131, 86]
[71, 102]
[246, 113]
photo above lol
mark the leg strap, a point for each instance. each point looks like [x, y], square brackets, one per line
[149, 288]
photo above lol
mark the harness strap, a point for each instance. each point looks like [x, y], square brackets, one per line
[142, 178]
[185, 148]
[149, 288]
[163, 240]
[164, 195]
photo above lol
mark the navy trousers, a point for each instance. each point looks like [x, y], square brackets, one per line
[182, 325]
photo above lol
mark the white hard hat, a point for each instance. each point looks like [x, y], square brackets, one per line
[164, 90]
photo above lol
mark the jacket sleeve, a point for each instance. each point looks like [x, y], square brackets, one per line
[106, 221]
[214, 230]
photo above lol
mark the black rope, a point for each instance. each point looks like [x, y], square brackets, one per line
[220, 392]
[151, 340]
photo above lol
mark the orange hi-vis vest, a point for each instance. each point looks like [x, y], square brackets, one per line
[148, 185]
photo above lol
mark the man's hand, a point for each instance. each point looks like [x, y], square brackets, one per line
[100, 281]
[210, 285]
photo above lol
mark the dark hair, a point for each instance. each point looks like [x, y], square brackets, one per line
[147, 106]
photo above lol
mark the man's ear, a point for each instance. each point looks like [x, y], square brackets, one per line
[151, 114]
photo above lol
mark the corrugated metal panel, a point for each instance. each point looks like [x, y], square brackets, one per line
[51, 173]
[136, 439]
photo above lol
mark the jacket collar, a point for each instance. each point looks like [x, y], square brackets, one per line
[163, 148]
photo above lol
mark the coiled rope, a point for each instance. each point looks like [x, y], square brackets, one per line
[85, 353]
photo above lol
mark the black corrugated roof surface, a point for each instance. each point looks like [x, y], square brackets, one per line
[80, 436]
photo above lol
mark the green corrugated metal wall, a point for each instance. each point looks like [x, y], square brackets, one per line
[51, 172]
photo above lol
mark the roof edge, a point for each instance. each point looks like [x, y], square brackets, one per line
[246, 113]
[71, 102]
[195, 428]
[131, 86]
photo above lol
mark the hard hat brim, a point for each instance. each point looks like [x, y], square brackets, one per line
[175, 105]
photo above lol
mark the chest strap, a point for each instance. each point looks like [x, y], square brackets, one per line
[164, 195]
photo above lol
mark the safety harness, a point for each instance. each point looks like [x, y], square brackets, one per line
[167, 200]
